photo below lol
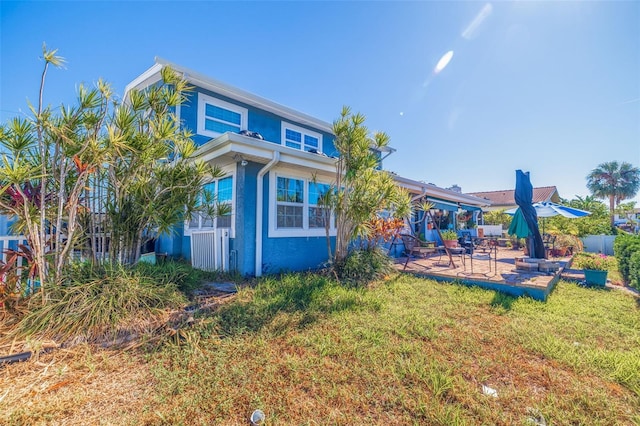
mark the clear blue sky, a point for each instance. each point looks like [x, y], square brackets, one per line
[547, 87]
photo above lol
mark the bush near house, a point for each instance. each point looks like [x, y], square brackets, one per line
[627, 250]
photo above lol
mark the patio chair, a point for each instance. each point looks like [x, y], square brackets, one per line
[413, 247]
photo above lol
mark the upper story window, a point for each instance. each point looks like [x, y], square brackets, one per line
[216, 116]
[221, 191]
[299, 138]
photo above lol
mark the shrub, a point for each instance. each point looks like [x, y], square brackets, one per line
[180, 274]
[634, 270]
[449, 235]
[361, 267]
[565, 241]
[598, 262]
[100, 302]
[624, 247]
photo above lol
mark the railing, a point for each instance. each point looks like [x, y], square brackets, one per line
[11, 242]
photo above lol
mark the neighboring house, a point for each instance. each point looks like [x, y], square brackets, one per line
[275, 171]
[504, 200]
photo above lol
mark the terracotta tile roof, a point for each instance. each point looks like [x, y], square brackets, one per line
[506, 197]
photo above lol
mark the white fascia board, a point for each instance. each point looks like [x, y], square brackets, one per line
[260, 150]
[436, 191]
[146, 79]
[240, 95]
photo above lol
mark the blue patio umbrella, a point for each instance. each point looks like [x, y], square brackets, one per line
[549, 209]
[524, 199]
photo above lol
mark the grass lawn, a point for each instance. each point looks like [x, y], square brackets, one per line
[408, 351]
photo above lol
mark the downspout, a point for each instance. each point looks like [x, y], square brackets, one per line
[259, 198]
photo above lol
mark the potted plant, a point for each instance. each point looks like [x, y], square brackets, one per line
[595, 266]
[449, 238]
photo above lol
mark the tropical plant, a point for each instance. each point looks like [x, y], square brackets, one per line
[73, 175]
[152, 180]
[382, 230]
[361, 191]
[593, 261]
[614, 181]
[363, 266]
[497, 217]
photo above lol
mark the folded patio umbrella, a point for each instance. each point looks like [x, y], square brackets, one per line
[524, 199]
[519, 226]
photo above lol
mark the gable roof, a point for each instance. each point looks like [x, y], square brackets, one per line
[152, 76]
[506, 197]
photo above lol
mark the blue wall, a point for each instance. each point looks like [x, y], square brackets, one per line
[290, 253]
[279, 254]
[245, 241]
[258, 120]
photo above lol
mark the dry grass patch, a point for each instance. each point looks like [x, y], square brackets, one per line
[80, 386]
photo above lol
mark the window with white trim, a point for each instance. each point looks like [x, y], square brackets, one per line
[216, 116]
[317, 213]
[297, 207]
[289, 203]
[299, 138]
[221, 191]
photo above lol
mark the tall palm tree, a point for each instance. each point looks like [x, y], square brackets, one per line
[615, 181]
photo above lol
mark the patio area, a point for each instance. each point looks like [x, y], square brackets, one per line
[496, 272]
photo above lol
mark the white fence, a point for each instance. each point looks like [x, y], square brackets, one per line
[599, 244]
[491, 230]
[210, 250]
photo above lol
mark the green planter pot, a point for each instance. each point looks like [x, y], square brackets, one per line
[595, 277]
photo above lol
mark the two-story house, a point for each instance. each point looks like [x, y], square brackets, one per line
[277, 161]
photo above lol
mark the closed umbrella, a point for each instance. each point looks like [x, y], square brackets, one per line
[519, 226]
[524, 199]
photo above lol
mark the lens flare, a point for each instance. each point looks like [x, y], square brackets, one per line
[443, 62]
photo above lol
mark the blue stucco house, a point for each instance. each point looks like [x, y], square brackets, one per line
[277, 161]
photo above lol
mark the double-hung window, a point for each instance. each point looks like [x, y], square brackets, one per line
[219, 191]
[290, 203]
[318, 215]
[298, 138]
[298, 209]
[216, 116]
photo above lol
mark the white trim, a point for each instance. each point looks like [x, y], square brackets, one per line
[147, 78]
[305, 231]
[262, 152]
[435, 191]
[284, 126]
[247, 98]
[203, 100]
[232, 230]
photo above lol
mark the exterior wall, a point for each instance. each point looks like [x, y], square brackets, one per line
[245, 240]
[289, 253]
[267, 124]
[171, 244]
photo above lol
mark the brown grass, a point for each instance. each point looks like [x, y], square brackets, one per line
[407, 352]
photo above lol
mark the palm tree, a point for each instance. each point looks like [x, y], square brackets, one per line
[615, 181]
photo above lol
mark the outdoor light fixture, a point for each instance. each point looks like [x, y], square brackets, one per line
[239, 157]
